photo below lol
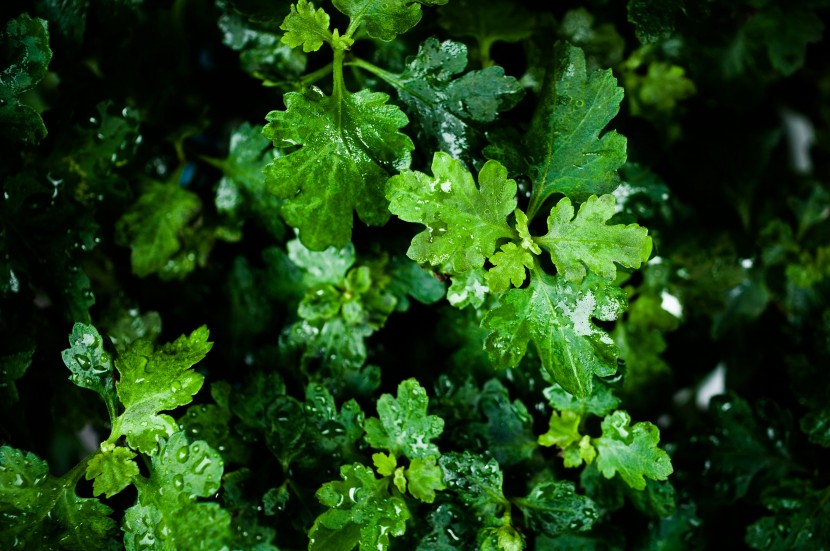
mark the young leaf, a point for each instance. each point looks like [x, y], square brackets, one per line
[153, 225]
[557, 316]
[586, 239]
[567, 154]
[361, 511]
[306, 27]
[40, 511]
[347, 142]
[404, 427]
[157, 380]
[508, 268]
[113, 470]
[25, 45]
[166, 514]
[631, 451]
[425, 478]
[90, 364]
[554, 507]
[463, 221]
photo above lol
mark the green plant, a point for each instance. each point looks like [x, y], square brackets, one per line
[459, 260]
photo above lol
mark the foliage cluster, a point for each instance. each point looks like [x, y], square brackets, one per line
[473, 274]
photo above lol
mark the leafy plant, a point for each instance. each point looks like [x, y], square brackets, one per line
[478, 275]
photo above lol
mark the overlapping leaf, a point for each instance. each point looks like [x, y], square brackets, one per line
[587, 240]
[348, 143]
[463, 221]
[556, 315]
[552, 508]
[306, 27]
[90, 364]
[384, 19]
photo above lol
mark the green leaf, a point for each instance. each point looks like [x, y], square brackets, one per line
[89, 363]
[306, 27]
[509, 427]
[321, 267]
[446, 102]
[563, 430]
[113, 470]
[40, 511]
[12, 367]
[600, 402]
[383, 19]
[463, 221]
[631, 451]
[586, 240]
[468, 288]
[241, 191]
[553, 508]
[508, 268]
[153, 226]
[361, 511]
[348, 144]
[567, 153]
[425, 478]
[477, 483]
[602, 44]
[404, 427]
[385, 464]
[24, 42]
[157, 380]
[166, 514]
[799, 518]
[410, 280]
[557, 316]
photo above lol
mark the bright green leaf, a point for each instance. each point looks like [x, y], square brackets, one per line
[384, 19]
[563, 430]
[586, 239]
[404, 426]
[600, 402]
[463, 221]
[348, 144]
[157, 380]
[90, 364]
[468, 288]
[508, 268]
[557, 316]
[631, 451]
[306, 27]
[425, 478]
[113, 470]
[385, 464]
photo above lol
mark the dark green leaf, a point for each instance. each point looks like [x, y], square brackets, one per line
[554, 507]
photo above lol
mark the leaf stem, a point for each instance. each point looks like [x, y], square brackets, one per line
[390, 78]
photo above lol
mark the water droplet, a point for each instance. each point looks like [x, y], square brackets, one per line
[178, 481]
[183, 455]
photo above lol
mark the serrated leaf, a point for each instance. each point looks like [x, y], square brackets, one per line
[445, 101]
[567, 153]
[557, 316]
[166, 514]
[600, 402]
[40, 511]
[348, 143]
[631, 451]
[157, 380]
[425, 478]
[112, 469]
[563, 430]
[90, 364]
[306, 27]
[321, 267]
[241, 191]
[448, 530]
[477, 483]
[468, 288]
[553, 508]
[153, 226]
[509, 267]
[361, 511]
[404, 426]
[799, 518]
[586, 240]
[385, 464]
[463, 221]
[509, 427]
[24, 42]
[384, 19]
